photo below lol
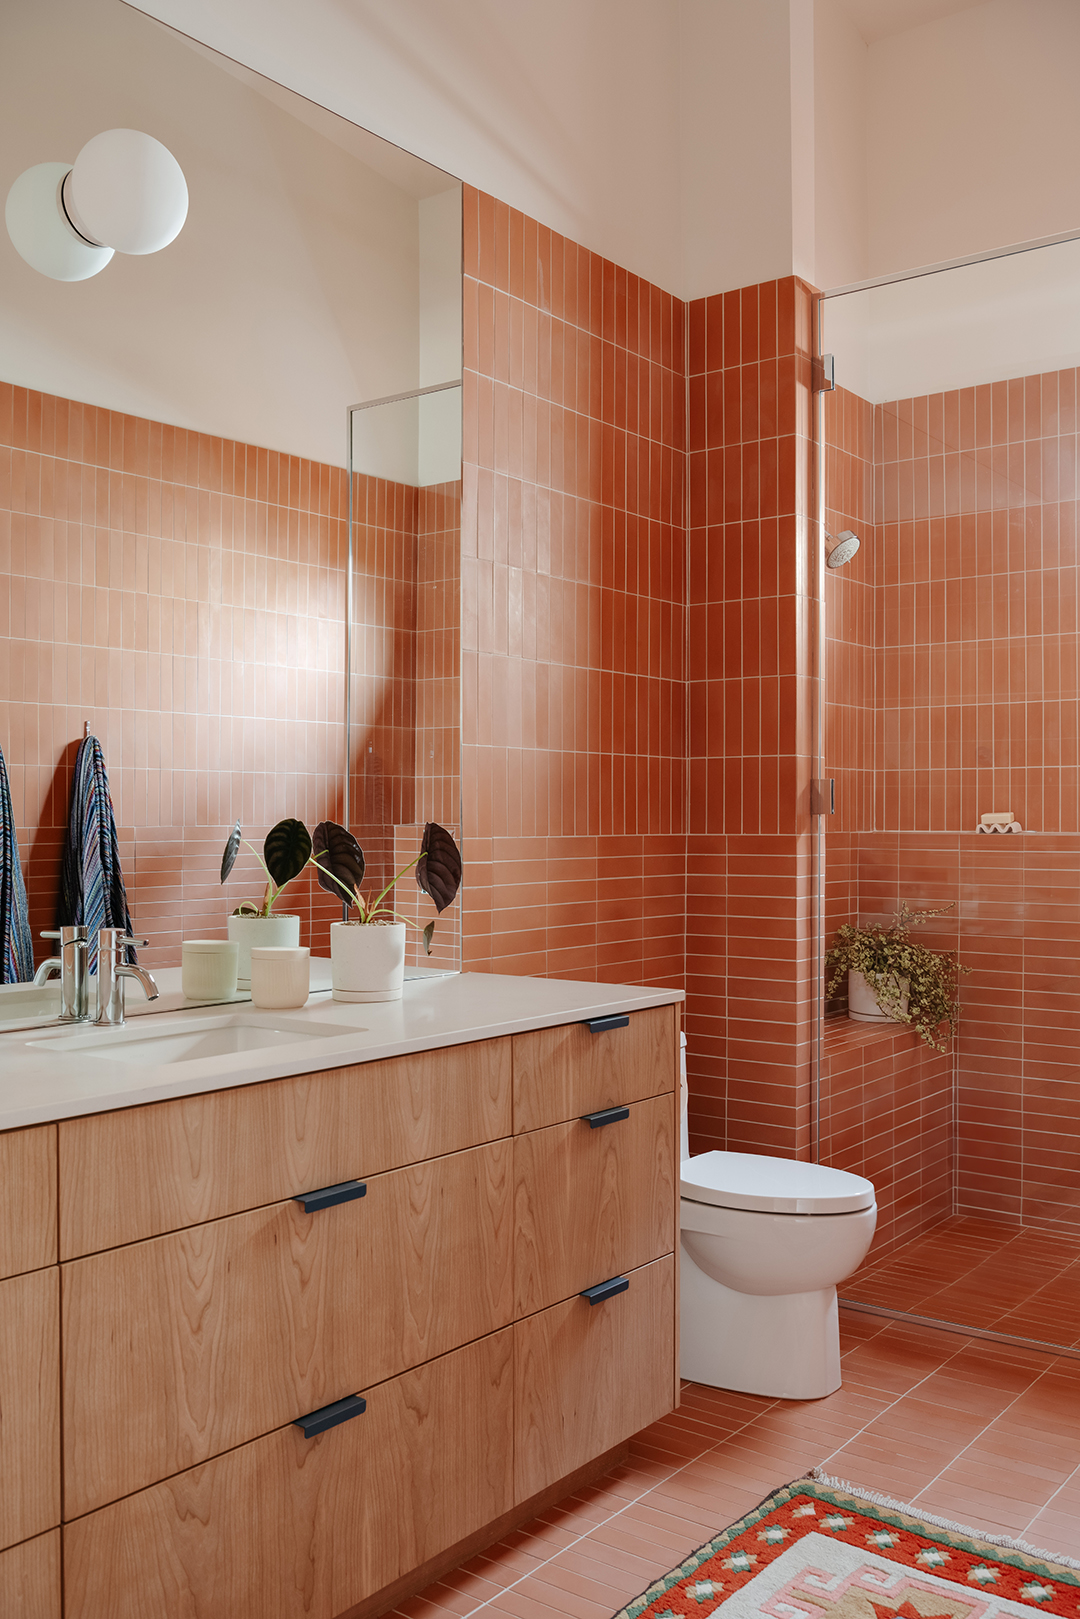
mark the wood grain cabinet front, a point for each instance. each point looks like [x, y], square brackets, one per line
[295, 1528]
[592, 1198]
[30, 1578]
[29, 1406]
[202, 1157]
[564, 1072]
[27, 1199]
[587, 1376]
[181, 1347]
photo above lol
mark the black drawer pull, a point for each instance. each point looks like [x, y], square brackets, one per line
[600, 1025]
[605, 1115]
[606, 1290]
[327, 1196]
[328, 1416]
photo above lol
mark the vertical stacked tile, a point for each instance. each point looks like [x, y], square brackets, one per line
[573, 592]
[886, 1098]
[979, 599]
[976, 706]
[751, 628]
[185, 595]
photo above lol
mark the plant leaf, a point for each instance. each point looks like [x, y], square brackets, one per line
[438, 872]
[286, 850]
[337, 850]
[232, 849]
[428, 931]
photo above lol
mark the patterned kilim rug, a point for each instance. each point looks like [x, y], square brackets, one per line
[822, 1549]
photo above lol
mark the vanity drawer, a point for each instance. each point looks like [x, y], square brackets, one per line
[27, 1199]
[587, 1376]
[30, 1578]
[29, 1405]
[188, 1344]
[203, 1157]
[563, 1072]
[592, 1201]
[295, 1528]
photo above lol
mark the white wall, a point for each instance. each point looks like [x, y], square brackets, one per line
[745, 130]
[293, 289]
[973, 133]
[706, 144]
[1006, 317]
[566, 109]
[440, 288]
[840, 84]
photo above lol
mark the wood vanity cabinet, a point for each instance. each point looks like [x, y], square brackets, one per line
[207, 1304]
[29, 1376]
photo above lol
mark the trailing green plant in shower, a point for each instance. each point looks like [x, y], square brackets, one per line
[913, 984]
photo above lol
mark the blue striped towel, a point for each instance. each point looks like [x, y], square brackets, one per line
[17, 960]
[91, 882]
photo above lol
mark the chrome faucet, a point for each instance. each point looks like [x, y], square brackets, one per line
[72, 963]
[112, 970]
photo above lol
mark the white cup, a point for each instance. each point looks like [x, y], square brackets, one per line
[280, 976]
[208, 969]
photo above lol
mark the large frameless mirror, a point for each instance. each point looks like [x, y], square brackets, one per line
[178, 494]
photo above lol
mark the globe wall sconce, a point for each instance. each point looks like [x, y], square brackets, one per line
[125, 193]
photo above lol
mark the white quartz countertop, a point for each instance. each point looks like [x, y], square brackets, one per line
[59, 1073]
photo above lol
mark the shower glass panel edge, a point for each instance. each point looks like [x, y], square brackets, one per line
[1034, 343]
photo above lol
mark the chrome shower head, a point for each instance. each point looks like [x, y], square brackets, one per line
[845, 548]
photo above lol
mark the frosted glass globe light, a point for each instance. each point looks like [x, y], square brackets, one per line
[127, 191]
[39, 231]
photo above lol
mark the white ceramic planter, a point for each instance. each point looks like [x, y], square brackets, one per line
[863, 1003]
[273, 932]
[367, 962]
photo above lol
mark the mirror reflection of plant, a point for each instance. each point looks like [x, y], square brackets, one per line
[886, 957]
[339, 861]
[286, 851]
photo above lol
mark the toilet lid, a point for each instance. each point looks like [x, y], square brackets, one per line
[743, 1180]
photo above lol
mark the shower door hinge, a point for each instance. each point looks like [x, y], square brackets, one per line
[823, 795]
[824, 374]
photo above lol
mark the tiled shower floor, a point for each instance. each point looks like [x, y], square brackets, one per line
[982, 1273]
[981, 1433]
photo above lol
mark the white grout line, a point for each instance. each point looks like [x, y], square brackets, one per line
[974, 1441]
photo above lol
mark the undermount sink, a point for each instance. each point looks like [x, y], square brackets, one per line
[22, 1003]
[192, 1041]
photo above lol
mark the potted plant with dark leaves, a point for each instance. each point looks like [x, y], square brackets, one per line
[286, 851]
[367, 953]
[891, 979]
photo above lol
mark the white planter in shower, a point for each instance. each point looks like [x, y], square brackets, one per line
[863, 1003]
[367, 960]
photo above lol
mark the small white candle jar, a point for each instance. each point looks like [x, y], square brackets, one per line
[280, 976]
[208, 969]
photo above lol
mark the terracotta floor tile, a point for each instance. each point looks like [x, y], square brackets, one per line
[996, 1275]
[982, 1434]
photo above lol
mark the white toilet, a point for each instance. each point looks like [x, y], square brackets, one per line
[764, 1243]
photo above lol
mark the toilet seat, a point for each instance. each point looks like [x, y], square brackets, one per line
[745, 1180]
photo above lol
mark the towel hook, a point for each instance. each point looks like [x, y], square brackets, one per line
[85, 729]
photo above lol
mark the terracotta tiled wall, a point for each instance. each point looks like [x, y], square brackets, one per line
[751, 1008]
[979, 674]
[887, 1112]
[976, 704]
[184, 595]
[573, 592]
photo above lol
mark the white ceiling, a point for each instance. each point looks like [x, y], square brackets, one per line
[877, 19]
